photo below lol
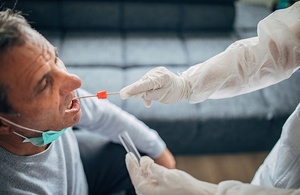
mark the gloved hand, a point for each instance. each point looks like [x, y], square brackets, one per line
[159, 84]
[152, 179]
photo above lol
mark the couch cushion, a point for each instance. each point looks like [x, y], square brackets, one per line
[235, 124]
[54, 37]
[207, 16]
[41, 14]
[92, 48]
[282, 100]
[248, 15]
[130, 15]
[97, 79]
[154, 49]
[284, 93]
[202, 46]
[90, 15]
[151, 16]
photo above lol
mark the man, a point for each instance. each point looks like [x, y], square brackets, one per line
[245, 66]
[39, 152]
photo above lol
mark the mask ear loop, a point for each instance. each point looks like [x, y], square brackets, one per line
[20, 126]
[20, 135]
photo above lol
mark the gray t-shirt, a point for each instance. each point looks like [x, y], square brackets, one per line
[57, 170]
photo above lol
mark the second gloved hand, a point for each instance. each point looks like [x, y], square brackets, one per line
[159, 84]
[152, 179]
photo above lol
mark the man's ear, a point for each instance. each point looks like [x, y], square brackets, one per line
[5, 128]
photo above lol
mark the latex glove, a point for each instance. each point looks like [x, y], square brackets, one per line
[152, 179]
[159, 84]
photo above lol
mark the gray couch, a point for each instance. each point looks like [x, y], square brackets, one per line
[111, 44]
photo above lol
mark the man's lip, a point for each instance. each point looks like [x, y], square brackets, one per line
[75, 106]
[71, 101]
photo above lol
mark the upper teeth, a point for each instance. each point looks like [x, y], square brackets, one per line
[70, 105]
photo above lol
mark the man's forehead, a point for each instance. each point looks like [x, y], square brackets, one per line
[35, 50]
[38, 48]
[37, 39]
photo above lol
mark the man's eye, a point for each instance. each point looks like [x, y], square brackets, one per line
[44, 85]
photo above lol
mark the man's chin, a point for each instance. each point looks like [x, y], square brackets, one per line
[76, 119]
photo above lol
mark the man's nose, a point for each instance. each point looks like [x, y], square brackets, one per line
[70, 83]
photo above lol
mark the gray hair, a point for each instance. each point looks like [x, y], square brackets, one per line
[12, 26]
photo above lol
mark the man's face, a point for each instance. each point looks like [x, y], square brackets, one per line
[38, 86]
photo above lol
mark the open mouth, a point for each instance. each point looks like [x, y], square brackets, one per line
[73, 106]
[70, 105]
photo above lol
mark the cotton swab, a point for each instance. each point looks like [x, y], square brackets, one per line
[100, 95]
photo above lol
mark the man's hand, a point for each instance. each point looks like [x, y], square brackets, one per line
[166, 159]
[149, 178]
[159, 84]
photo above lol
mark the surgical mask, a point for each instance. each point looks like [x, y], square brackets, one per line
[46, 138]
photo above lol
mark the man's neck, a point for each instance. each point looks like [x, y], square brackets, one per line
[15, 145]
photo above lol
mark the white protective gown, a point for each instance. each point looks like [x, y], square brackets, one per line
[251, 64]
[245, 66]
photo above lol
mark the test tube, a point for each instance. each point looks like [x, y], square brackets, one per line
[128, 144]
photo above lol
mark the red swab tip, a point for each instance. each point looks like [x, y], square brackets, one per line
[102, 94]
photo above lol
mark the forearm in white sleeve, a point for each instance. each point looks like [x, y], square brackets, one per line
[109, 120]
[250, 64]
[235, 187]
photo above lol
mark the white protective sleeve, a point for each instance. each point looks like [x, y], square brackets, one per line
[235, 187]
[250, 64]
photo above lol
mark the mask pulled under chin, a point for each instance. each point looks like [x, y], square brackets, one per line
[46, 138]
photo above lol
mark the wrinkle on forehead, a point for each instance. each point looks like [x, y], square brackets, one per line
[40, 42]
[44, 56]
